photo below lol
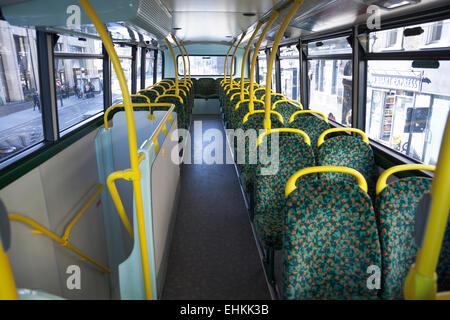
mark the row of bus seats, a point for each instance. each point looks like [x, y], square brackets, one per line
[165, 92]
[317, 204]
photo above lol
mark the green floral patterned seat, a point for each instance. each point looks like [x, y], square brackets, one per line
[330, 239]
[286, 109]
[396, 205]
[294, 155]
[206, 88]
[312, 125]
[254, 122]
[348, 151]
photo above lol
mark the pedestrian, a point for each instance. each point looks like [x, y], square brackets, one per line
[36, 101]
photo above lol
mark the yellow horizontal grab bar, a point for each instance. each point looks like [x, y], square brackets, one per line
[295, 114]
[167, 80]
[149, 90]
[247, 100]
[56, 238]
[298, 103]
[291, 184]
[237, 94]
[174, 90]
[233, 87]
[274, 94]
[170, 95]
[66, 236]
[381, 183]
[280, 130]
[159, 86]
[134, 105]
[280, 117]
[326, 132]
[126, 175]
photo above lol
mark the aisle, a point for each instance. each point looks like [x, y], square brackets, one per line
[213, 253]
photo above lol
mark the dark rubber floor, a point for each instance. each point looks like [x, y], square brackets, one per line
[213, 253]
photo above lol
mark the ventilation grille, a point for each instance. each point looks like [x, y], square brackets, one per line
[154, 17]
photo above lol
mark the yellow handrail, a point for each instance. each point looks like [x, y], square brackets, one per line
[234, 55]
[237, 94]
[244, 58]
[8, 290]
[246, 100]
[182, 55]
[110, 182]
[272, 18]
[280, 117]
[179, 90]
[149, 90]
[188, 59]
[66, 235]
[135, 105]
[326, 132]
[225, 64]
[280, 130]
[41, 229]
[159, 86]
[135, 173]
[382, 180]
[175, 66]
[299, 104]
[290, 185]
[292, 118]
[273, 53]
[421, 280]
[170, 95]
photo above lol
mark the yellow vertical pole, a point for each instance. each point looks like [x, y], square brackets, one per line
[421, 282]
[273, 53]
[177, 91]
[8, 289]
[135, 173]
[188, 59]
[226, 60]
[244, 58]
[273, 16]
[234, 54]
[182, 54]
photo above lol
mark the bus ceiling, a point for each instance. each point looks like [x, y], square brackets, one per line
[213, 21]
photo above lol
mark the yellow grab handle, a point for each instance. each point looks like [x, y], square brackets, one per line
[149, 90]
[170, 95]
[8, 290]
[290, 186]
[326, 132]
[280, 117]
[274, 94]
[381, 183]
[270, 131]
[298, 103]
[246, 100]
[292, 118]
[238, 93]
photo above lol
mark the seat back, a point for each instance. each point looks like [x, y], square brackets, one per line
[294, 154]
[330, 239]
[351, 152]
[312, 125]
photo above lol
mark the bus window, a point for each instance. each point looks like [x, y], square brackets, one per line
[149, 67]
[407, 107]
[159, 66]
[79, 80]
[206, 65]
[330, 79]
[124, 53]
[290, 67]
[20, 103]
[262, 67]
[330, 88]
